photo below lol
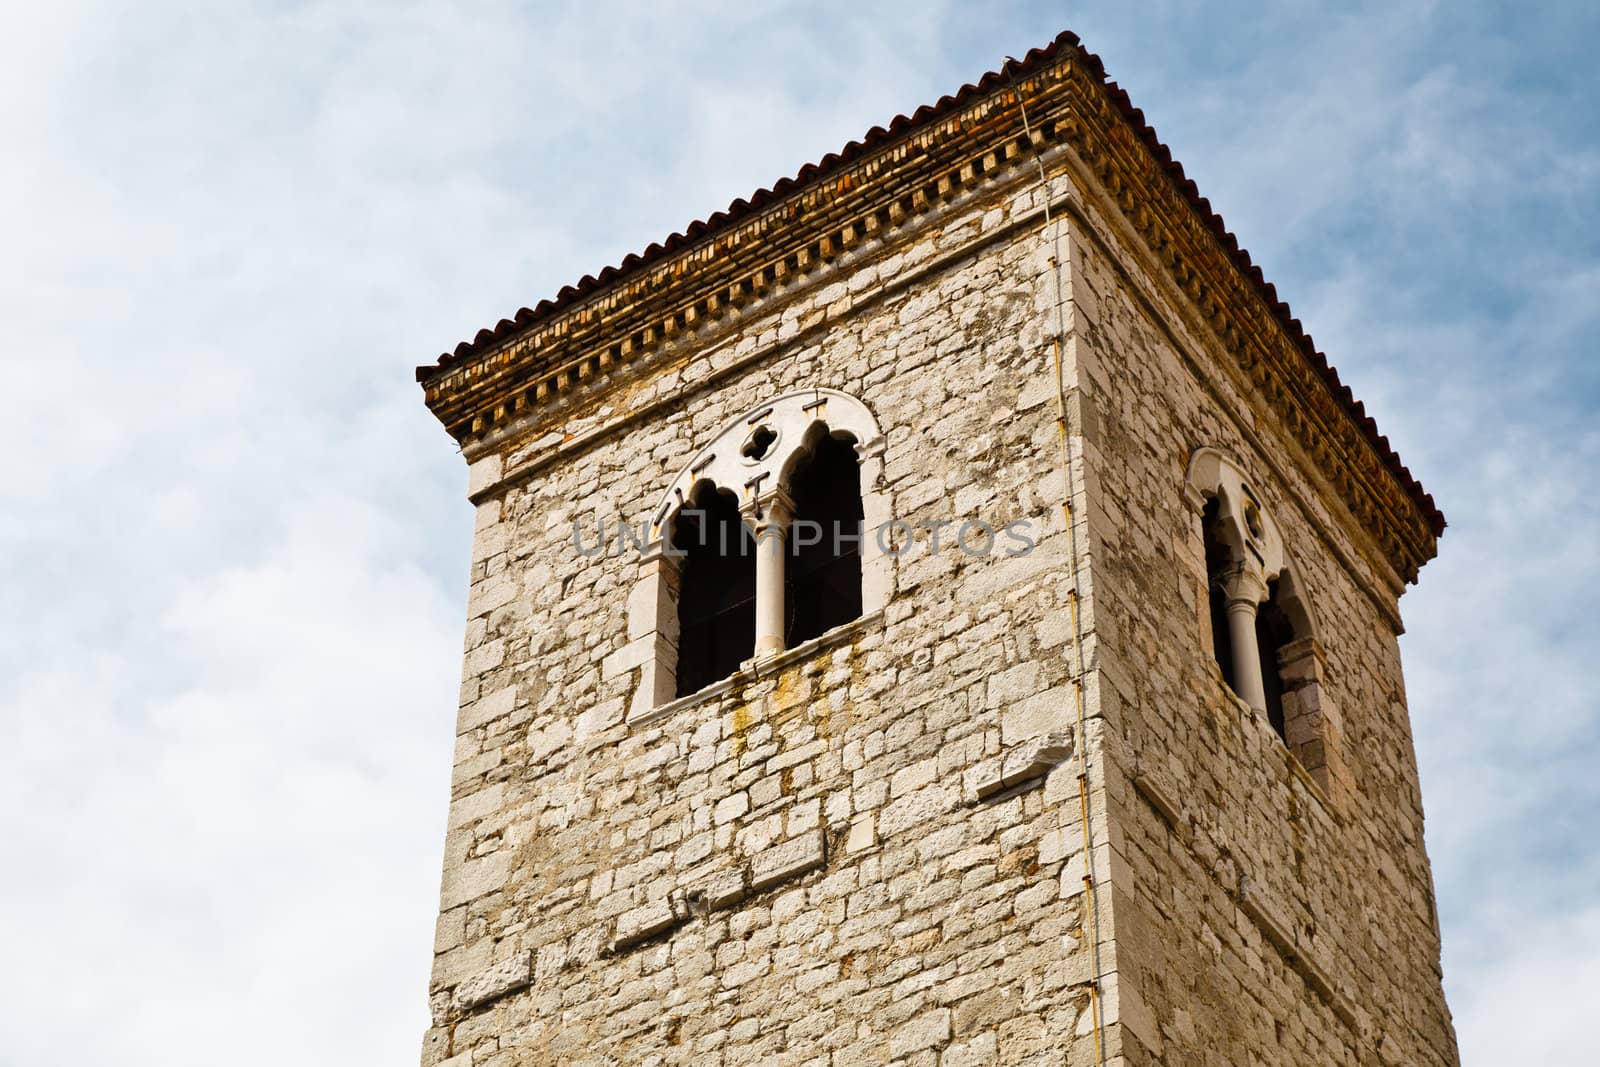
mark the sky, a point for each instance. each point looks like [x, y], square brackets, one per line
[233, 542]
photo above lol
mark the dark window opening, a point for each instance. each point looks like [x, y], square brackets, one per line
[1219, 563]
[1273, 631]
[716, 589]
[822, 576]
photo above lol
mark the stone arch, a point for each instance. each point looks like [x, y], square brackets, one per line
[725, 459]
[1249, 527]
[1292, 597]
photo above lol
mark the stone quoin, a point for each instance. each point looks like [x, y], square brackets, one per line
[1143, 794]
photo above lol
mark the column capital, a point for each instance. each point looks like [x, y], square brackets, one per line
[1244, 585]
[657, 556]
[773, 509]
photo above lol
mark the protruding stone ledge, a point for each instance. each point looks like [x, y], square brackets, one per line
[723, 890]
[505, 977]
[1150, 786]
[1027, 762]
[770, 867]
[1280, 931]
[643, 923]
[789, 859]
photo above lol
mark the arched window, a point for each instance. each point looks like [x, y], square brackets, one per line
[1262, 633]
[736, 583]
[716, 588]
[822, 575]
[1227, 578]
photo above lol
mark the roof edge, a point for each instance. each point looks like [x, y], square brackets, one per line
[700, 239]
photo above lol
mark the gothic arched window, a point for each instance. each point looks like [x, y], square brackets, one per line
[1261, 627]
[822, 574]
[716, 588]
[724, 580]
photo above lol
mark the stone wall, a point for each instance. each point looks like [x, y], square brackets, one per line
[1261, 916]
[829, 862]
[799, 870]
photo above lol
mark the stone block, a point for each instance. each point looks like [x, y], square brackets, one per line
[484, 472]
[486, 709]
[643, 923]
[1041, 714]
[507, 976]
[730, 808]
[475, 806]
[1025, 762]
[786, 860]
[473, 878]
[928, 1030]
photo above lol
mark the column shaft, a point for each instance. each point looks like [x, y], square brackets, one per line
[770, 543]
[1243, 601]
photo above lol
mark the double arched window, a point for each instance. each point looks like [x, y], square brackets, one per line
[1252, 619]
[1260, 623]
[760, 544]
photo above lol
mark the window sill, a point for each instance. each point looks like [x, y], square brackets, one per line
[753, 670]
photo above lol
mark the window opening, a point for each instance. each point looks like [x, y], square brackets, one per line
[759, 443]
[822, 576]
[1273, 632]
[716, 588]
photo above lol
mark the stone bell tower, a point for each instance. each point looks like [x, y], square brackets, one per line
[940, 611]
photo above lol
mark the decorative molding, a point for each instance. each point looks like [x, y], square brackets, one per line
[1143, 190]
[741, 268]
[732, 273]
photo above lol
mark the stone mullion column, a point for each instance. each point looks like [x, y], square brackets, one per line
[769, 516]
[1245, 590]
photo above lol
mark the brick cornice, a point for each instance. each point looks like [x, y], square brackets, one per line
[741, 262]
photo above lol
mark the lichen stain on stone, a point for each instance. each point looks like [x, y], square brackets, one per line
[783, 692]
[741, 726]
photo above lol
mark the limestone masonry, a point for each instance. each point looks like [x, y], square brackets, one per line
[763, 802]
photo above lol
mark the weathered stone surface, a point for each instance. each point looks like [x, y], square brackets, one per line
[790, 859]
[507, 976]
